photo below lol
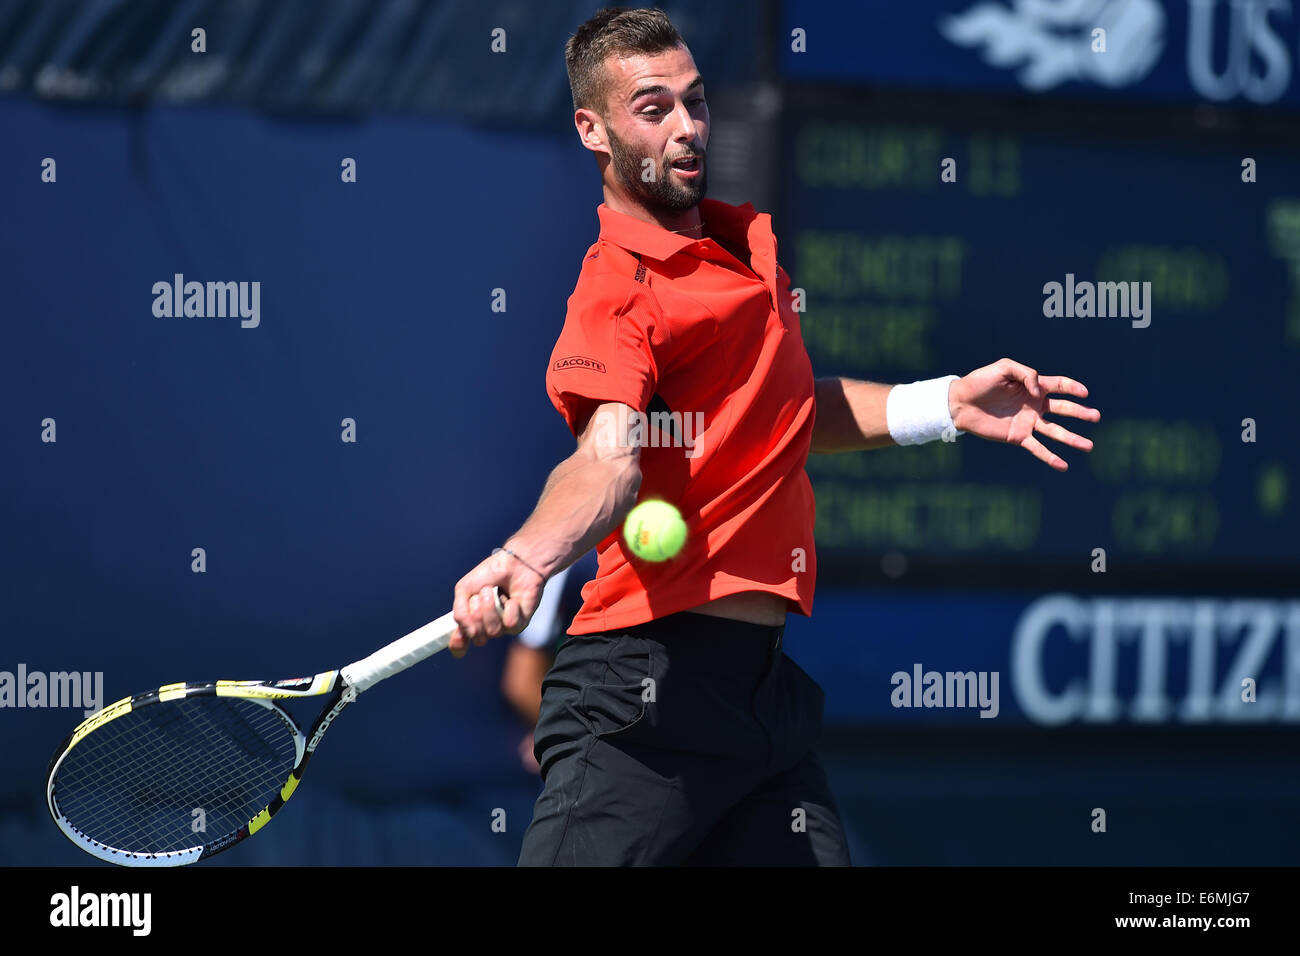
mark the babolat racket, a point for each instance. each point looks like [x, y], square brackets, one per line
[128, 784]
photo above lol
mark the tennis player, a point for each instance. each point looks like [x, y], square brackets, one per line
[673, 728]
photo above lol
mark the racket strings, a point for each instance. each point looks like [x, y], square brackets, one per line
[177, 774]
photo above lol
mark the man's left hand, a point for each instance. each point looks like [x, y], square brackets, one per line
[1006, 402]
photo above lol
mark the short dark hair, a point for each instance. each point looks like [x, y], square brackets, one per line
[615, 31]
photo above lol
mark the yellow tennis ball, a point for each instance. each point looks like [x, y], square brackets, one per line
[654, 530]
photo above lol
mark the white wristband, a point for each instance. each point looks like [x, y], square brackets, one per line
[918, 412]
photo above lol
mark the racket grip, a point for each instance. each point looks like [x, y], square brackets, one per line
[406, 651]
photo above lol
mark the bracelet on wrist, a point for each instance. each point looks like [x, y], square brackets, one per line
[521, 561]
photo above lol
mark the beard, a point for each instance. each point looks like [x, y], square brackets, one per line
[665, 191]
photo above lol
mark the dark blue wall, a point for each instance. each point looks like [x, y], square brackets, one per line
[176, 433]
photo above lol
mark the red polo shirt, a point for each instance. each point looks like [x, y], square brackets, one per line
[710, 349]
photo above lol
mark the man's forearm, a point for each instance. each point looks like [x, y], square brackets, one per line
[850, 415]
[585, 498]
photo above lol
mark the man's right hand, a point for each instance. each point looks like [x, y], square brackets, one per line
[586, 498]
[477, 618]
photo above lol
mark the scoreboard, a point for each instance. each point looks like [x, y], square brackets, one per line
[906, 276]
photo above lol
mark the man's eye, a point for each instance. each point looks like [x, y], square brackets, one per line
[655, 110]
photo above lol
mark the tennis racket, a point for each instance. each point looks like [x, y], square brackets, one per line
[132, 782]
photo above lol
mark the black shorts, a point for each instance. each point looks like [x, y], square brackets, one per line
[684, 741]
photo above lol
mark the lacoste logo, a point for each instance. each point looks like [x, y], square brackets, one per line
[577, 361]
[1051, 43]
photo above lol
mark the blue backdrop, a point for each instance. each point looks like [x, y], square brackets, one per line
[177, 433]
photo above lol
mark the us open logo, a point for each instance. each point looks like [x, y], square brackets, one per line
[577, 361]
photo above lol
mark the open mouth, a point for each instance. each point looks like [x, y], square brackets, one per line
[686, 166]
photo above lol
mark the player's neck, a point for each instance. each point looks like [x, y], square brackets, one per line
[686, 222]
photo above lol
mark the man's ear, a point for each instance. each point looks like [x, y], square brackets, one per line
[591, 130]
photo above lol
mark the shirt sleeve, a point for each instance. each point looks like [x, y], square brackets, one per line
[606, 350]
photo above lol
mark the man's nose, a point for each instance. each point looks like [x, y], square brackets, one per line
[685, 124]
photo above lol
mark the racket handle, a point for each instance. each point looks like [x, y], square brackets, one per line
[406, 651]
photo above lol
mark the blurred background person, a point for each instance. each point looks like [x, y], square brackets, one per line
[531, 652]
